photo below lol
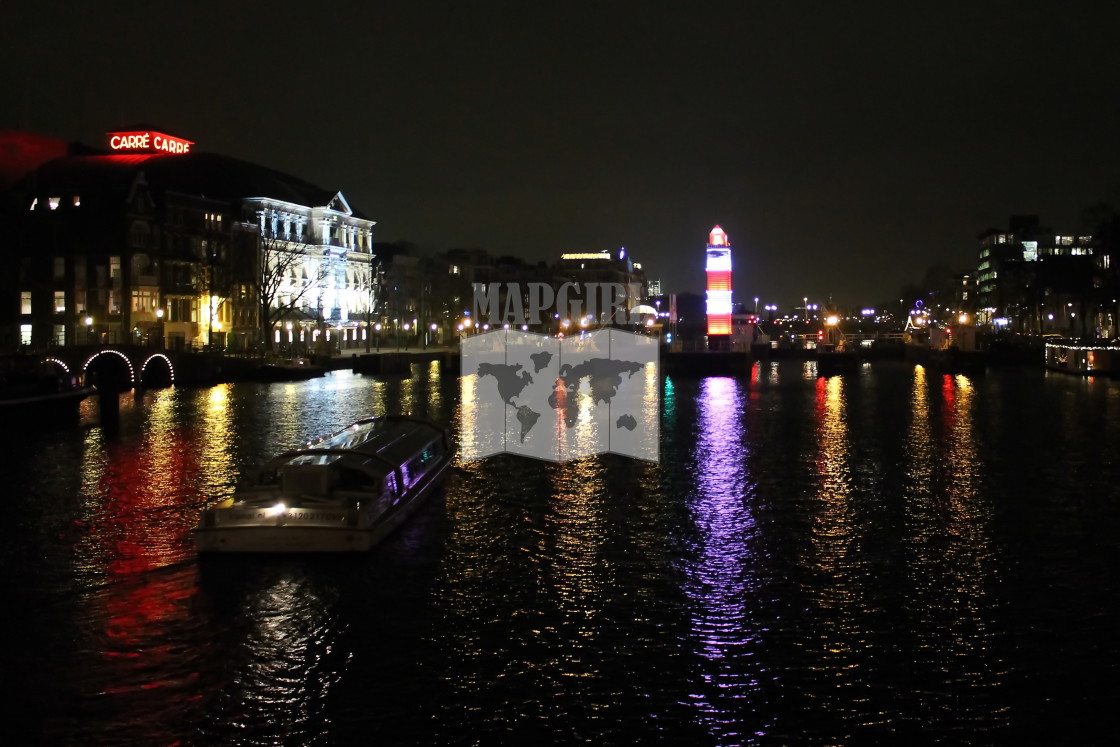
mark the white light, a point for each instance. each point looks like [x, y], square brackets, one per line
[276, 510]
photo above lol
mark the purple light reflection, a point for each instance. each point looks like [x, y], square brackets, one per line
[721, 572]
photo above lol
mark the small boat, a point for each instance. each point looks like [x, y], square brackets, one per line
[340, 493]
[299, 369]
[41, 398]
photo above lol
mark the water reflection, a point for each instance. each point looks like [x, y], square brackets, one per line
[841, 647]
[290, 655]
[822, 561]
[952, 566]
[722, 575]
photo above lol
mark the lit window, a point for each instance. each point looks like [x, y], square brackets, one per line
[454, 270]
[53, 202]
[25, 334]
[25, 302]
[59, 302]
[77, 201]
[34, 202]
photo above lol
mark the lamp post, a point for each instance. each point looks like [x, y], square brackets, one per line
[159, 328]
[377, 329]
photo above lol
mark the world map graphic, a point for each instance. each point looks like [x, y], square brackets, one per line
[560, 399]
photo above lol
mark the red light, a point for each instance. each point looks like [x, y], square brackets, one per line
[148, 141]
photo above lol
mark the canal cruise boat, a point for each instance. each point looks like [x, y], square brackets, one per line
[340, 493]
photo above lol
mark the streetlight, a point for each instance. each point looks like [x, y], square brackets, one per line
[377, 329]
[159, 328]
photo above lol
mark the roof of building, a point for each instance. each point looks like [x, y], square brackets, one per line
[207, 175]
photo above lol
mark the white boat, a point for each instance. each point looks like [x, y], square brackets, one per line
[343, 492]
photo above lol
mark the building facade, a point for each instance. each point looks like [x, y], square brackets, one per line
[153, 242]
[1030, 278]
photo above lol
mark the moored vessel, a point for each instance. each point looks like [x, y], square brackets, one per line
[340, 493]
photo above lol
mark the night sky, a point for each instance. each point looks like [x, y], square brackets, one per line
[844, 147]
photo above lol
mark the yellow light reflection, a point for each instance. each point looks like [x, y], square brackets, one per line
[575, 525]
[951, 561]
[834, 558]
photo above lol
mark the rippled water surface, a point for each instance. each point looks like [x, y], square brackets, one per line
[895, 556]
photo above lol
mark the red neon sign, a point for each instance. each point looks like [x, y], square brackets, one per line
[148, 142]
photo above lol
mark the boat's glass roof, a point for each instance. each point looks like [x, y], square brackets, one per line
[352, 437]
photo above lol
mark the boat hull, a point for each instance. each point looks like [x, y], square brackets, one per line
[262, 534]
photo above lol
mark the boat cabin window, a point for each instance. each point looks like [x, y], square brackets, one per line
[315, 459]
[415, 468]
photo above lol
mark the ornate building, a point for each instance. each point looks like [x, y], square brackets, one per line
[154, 242]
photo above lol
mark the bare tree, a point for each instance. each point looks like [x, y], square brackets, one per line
[288, 272]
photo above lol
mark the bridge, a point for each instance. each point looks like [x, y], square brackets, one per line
[118, 367]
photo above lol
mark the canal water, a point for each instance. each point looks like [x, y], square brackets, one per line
[888, 557]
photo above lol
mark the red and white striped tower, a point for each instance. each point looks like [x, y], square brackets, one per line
[719, 287]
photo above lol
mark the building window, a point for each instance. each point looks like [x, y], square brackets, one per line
[143, 301]
[53, 202]
[115, 268]
[59, 302]
[25, 334]
[77, 200]
[25, 302]
[59, 337]
[139, 235]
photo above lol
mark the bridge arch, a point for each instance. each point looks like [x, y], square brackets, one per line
[111, 368]
[157, 370]
[61, 364]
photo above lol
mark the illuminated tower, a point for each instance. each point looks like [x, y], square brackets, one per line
[719, 287]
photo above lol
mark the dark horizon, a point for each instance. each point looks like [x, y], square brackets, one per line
[844, 152]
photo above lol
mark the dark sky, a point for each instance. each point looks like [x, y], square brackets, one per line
[844, 147]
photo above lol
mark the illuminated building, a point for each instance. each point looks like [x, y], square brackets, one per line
[719, 287]
[151, 241]
[1017, 263]
[605, 267]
